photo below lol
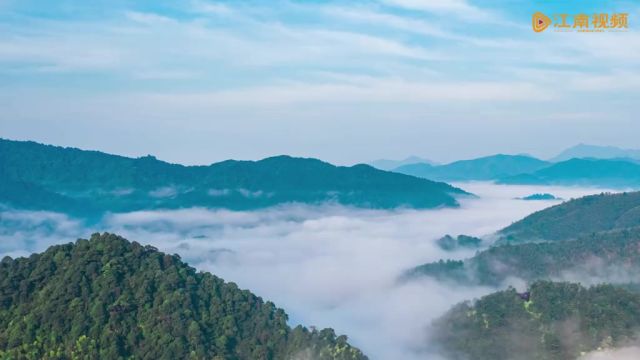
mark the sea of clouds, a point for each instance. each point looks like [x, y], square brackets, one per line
[327, 266]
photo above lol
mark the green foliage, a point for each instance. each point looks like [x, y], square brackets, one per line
[449, 243]
[560, 321]
[574, 218]
[112, 299]
[589, 255]
[69, 179]
[545, 196]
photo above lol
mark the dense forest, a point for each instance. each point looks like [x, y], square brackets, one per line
[78, 181]
[551, 321]
[595, 255]
[577, 217]
[110, 298]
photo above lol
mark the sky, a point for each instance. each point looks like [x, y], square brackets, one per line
[200, 81]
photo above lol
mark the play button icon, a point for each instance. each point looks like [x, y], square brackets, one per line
[540, 22]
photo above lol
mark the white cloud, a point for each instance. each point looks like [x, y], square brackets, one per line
[163, 192]
[461, 8]
[454, 6]
[211, 8]
[148, 18]
[224, 69]
[375, 90]
[628, 353]
[377, 18]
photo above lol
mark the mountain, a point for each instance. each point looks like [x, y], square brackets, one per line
[601, 256]
[596, 152]
[83, 180]
[450, 243]
[596, 231]
[571, 219]
[112, 299]
[550, 321]
[24, 195]
[585, 172]
[485, 168]
[540, 196]
[387, 165]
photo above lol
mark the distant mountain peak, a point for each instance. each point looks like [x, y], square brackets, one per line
[387, 164]
[596, 151]
[484, 168]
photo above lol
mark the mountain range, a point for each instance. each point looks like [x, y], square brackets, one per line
[386, 164]
[596, 152]
[45, 177]
[602, 255]
[594, 239]
[485, 168]
[613, 172]
[617, 173]
[575, 218]
[599, 228]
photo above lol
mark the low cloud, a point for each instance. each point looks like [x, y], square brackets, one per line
[628, 353]
[327, 266]
[219, 192]
[163, 192]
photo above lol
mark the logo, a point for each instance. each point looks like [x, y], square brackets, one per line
[599, 22]
[540, 22]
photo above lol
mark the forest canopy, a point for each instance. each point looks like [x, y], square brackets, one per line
[110, 298]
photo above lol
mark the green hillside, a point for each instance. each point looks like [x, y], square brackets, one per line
[485, 168]
[99, 181]
[577, 217]
[560, 321]
[592, 255]
[112, 299]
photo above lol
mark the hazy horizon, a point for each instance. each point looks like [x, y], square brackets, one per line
[364, 161]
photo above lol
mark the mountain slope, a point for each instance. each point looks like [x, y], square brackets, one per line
[485, 168]
[115, 183]
[585, 172]
[109, 298]
[601, 256]
[558, 321]
[574, 218]
[387, 165]
[596, 152]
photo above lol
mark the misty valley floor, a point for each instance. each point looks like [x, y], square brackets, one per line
[328, 266]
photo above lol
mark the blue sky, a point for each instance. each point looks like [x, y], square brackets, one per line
[199, 81]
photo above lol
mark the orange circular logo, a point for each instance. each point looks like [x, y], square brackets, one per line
[540, 22]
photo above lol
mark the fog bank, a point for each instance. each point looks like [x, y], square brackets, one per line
[327, 266]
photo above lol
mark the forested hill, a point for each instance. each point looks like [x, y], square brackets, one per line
[599, 256]
[577, 217]
[71, 179]
[112, 299]
[557, 321]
